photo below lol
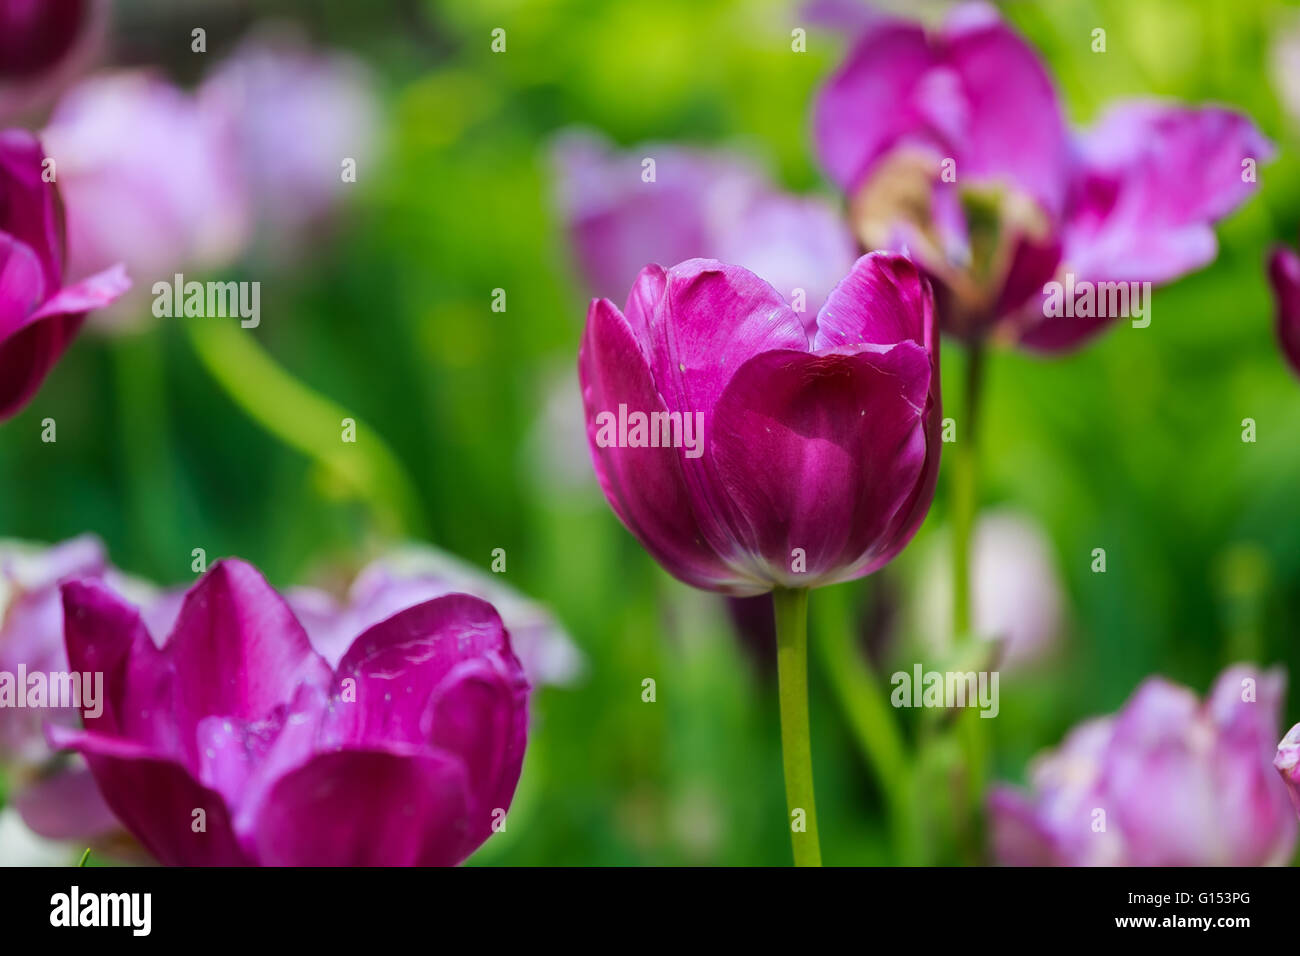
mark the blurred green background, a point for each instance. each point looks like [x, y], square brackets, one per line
[1133, 444]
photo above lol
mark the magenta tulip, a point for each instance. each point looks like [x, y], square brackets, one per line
[167, 198]
[39, 315]
[1168, 781]
[747, 455]
[1284, 273]
[952, 146]
[406, 753]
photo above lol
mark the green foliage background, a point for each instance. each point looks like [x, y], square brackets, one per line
[1133, 444]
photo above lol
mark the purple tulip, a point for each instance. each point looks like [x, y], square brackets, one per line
[39, 315]
[745, 454]
[415, 574]
[1168, 781]
[953, 147]
[297, 115]
[1284, 273]
[45, 44]
[407, 752]
[701, 203]
[56, 798]
[166, 198]
[36, 34]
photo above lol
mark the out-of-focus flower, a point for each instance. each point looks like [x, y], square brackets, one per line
[414, 574]
[795, 460]
[19, 846]
[296, 114]
[1168, 781]
[56, 796]
[1287, 762]
[43, 44]
[1284, 273]
[701, 203]
[165, 197]
[39, 315]
[952, 145]
[1016, 592]
[406, 752]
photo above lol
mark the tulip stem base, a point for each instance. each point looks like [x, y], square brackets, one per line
[796, 742]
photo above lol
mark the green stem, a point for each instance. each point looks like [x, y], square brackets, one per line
[965, 477]
[965, 497]
[308, 421]
[862, 699]
[796, 748]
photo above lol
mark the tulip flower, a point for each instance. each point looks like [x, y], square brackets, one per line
[39, 314]
[1016, 592]
[297, 117]
[699, 203]
[414, 574]
[1287, 763]
[43, 44]
[952, 145]
[166, 198]
[1168, 781]
[973, 171]
[232, 741]
[56, 798]
[1284, 273]
[748, 456]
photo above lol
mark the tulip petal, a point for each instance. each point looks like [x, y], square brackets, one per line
[104, 634]
[30, 204]
[1284, 273]
[65, 806]
[1152, 179]
[156, 799]
[395, 664]
[883, 300]
[645, 486]
[480, 713]
[237, 648]
[820, 452]
[367, 808]
[1014, 132]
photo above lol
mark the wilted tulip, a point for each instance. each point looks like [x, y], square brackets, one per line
[694, 203]
[166, 198]
[234, 742]
[746, 455]
[1284, 272]
[414, 574]
[952, 145]
[39, 314]
[1168, 781]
